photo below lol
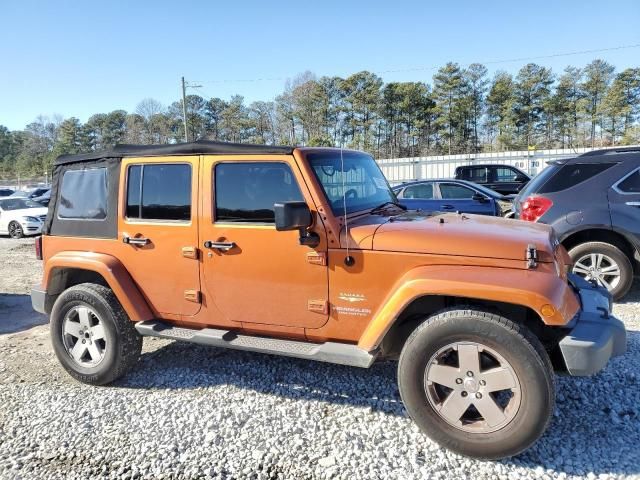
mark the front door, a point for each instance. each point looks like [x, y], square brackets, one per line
[504, 179]
[158, 229]
[454, 196]
[253, 273]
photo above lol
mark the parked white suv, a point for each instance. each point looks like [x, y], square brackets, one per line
[20, 217]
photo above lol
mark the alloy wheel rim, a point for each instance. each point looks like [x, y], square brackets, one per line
[14, 230]
[83, 336]
[472, 387]
[599, 267]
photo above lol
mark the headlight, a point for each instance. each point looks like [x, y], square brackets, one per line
[505, 207]
[31, 219]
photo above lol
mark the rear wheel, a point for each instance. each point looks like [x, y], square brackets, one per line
[15, 230]
[92, 336]
[604, 263]
[477, 383]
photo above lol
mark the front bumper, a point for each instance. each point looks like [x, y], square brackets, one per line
[31, 228]
[596, 335]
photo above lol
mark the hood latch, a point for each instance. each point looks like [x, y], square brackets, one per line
[532, 256]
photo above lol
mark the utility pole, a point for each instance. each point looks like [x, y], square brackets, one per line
[184, 110]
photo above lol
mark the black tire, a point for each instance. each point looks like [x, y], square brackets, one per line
[516, 344]
[123, 343]
[617, 255]
[15, 230]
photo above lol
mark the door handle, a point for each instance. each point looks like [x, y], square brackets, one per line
[448, 207]
[222, 246]
[136, 241]
[633, 204]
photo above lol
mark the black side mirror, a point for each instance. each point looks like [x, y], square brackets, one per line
[292, 215]
[478, 197]
[521, 178]
[296, 216]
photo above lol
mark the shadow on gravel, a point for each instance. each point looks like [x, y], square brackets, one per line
[16, 313]
[634, 294]
[586, 434]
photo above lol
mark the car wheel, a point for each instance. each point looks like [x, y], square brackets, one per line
[605, 264]
[477, 383]
[92, 336]
[15, 230]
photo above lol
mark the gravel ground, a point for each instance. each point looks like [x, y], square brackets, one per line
[196, 412]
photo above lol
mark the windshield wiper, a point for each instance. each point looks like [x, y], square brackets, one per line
[381, 206]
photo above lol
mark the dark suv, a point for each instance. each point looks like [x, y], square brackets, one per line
[504, 179]
[593, 203]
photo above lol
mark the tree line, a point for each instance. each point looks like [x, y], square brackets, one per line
[462, 110]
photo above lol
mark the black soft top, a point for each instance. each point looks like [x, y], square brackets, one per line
[201, 147]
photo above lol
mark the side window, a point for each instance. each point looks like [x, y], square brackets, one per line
[83, 194]
[505, 174]
[246, 192]
[159, 192]
[451, 191]
[573, 174]
[422, 191]
[463, 173]
[631, 184]
[476, 174]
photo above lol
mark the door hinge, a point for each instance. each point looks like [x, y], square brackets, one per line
[192, 296]
[318, 306]
[190, 252]
[317, 258]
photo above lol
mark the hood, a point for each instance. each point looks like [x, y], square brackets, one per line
[455, 234]
[26, 212]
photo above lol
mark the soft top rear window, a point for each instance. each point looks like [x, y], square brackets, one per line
[83, 194]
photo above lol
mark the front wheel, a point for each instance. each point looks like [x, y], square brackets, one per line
[15, 230]
[92, 336]
[477, 383]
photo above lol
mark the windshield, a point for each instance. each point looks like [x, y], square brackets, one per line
[362, 183]
[18, 204]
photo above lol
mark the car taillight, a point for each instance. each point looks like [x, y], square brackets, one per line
[39, 248]
[534, 207]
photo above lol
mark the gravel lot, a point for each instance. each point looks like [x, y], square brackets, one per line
[191, 412]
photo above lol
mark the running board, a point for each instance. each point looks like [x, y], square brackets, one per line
[331, 352]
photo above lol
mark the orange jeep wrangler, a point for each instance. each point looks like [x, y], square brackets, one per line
[305, 252]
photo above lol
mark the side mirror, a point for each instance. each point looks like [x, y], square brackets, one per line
[478, 197]
[521, 178]
[292, 215]
[296, 216]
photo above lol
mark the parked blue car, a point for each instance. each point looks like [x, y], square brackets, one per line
[447, 195]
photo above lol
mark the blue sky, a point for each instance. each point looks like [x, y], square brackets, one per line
[79, 58]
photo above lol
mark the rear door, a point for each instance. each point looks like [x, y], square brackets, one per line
[476, 174]
[158, 230]
[420, 196]
[624, 203]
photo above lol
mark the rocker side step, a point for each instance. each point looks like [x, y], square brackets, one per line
[331, 352]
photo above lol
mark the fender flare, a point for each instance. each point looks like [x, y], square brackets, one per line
[111, 269]
[527, 288]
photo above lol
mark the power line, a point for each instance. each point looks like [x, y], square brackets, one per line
[423, 68]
